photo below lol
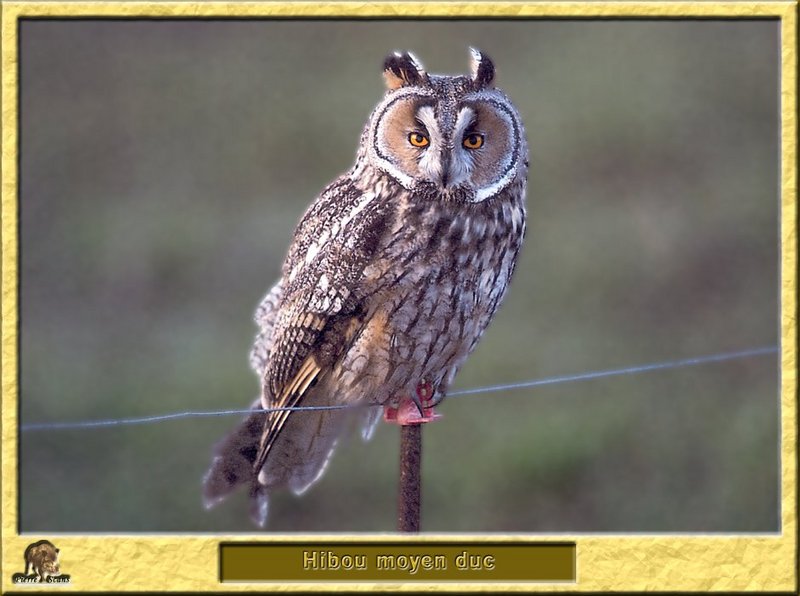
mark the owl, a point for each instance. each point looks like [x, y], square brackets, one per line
[392, 276]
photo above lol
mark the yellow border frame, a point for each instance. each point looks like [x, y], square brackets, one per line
[605, 563]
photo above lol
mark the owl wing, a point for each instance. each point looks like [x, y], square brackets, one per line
[323, 305]
[265, 318]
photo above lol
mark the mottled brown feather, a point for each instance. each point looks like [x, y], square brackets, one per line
[291, 395]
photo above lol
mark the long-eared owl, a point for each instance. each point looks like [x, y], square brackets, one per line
[393, 274]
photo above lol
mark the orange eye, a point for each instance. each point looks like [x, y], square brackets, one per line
[418, 139]
[473, 141]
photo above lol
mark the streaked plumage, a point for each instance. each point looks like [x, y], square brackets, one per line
[392, 276]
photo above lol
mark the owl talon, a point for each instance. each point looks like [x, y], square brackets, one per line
[410, 411]
[416, 399]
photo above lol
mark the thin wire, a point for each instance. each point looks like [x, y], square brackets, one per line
[714, 358]
[622, 371]
[174, 416]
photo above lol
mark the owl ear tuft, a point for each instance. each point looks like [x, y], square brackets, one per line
[482, 69]
[401, 69]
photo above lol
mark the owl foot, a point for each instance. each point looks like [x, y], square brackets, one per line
[413, 410]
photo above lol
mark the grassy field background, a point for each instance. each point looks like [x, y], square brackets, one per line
[165, 164]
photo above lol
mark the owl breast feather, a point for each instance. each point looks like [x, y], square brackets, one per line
[433, 276]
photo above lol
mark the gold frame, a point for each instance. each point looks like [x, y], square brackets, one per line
[624, 562]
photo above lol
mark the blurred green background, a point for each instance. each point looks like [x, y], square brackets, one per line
[165, 164]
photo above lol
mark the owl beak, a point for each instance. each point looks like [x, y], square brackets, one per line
[445, 178]
[438, 167]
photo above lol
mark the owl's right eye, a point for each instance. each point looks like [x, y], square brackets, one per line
[418, 139]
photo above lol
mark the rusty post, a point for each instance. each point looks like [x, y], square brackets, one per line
[410, 486]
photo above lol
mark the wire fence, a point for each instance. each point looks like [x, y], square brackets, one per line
[585, 376]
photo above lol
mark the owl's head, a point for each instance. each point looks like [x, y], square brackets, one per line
[457, 134]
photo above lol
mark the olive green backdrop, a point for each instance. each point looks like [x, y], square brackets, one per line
[165, 164]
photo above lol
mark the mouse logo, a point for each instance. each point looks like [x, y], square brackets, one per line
[41, 565]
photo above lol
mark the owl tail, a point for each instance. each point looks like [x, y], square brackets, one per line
[301, 453]
[234, 456]
[296, 460]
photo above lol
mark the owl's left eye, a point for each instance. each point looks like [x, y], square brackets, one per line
[473, 141]
[418, 139]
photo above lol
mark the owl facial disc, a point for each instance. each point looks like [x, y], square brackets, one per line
[457, 134]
